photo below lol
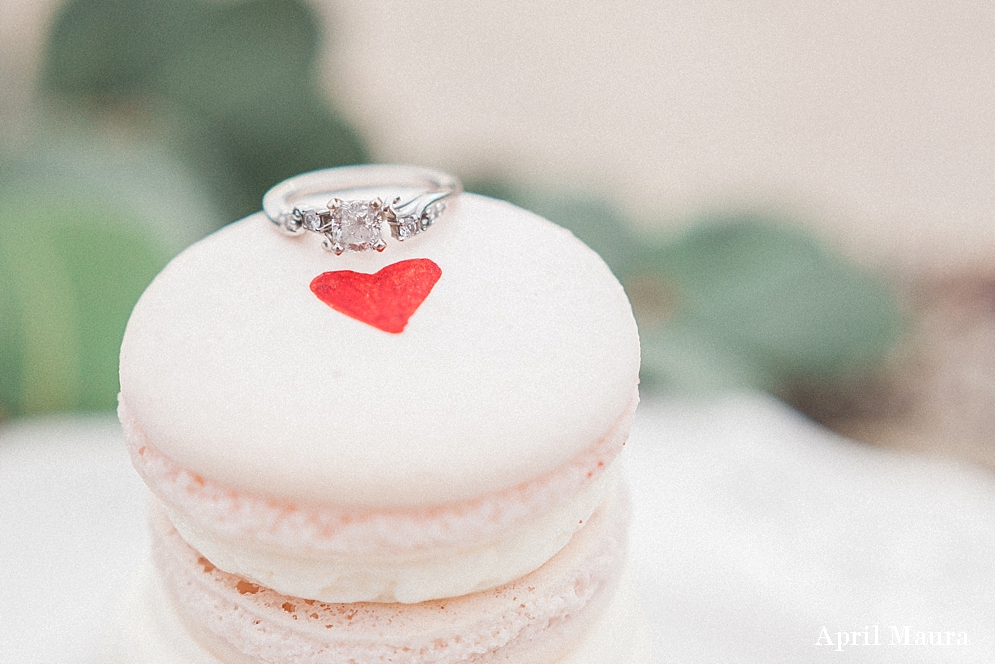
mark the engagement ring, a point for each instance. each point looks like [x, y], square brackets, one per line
[357, 224]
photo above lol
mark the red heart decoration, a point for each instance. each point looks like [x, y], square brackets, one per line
[385, 299]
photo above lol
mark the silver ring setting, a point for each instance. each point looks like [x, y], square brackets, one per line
[358, 225]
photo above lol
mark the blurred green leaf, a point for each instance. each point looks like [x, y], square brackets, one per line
[69, 292]
[252, 55]
[145, 178]
[110, 265]
[84, 227]
[595, 222]
[677, 358]
[737, 301]
[115, 47]
[243, 154]
[231, 85]
[10, 347]
[774, 296]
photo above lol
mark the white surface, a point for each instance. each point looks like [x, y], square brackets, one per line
[72, 517]
[753, 530]
[520, 358]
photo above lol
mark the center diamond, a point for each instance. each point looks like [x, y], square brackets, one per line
[356, 226]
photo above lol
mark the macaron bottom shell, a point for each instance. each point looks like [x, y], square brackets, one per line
[564, 613]
[149, 631]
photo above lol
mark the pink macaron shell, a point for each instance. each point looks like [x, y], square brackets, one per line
[537, 618]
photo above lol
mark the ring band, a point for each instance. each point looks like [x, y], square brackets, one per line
[356, 225]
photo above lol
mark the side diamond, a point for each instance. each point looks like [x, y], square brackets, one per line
[311, 220]
[405, 227]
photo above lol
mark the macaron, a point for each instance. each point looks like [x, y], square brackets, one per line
[435, 423]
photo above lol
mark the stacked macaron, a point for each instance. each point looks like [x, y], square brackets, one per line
[405, 457]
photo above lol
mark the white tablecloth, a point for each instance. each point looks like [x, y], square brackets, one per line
[757, 537]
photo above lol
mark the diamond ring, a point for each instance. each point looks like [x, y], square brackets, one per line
[417, 196]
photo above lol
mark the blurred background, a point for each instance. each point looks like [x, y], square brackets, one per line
[797, 196]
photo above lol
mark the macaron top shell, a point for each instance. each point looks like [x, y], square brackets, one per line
[523, 354]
